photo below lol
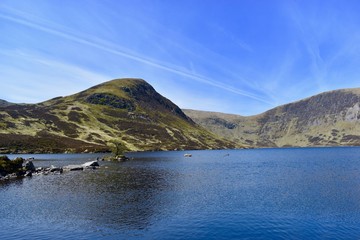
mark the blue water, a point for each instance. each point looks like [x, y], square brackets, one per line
[309, 193]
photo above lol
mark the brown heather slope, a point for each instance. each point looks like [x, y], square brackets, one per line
[126, 110]
[328, 119]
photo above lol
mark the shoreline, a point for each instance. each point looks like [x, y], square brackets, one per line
[20, 168]
[172, 150]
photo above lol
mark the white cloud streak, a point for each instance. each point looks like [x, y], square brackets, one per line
[47, 27]
[52, 77]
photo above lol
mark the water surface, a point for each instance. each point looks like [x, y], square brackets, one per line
[229, 194]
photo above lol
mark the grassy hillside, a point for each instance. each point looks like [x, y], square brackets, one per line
[327, 119]
[126, 110]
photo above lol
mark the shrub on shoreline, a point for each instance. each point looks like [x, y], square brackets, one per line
[8, 166]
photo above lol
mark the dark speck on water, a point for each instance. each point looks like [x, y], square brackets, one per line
[311, 193]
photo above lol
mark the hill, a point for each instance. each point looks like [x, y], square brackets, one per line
[125, 110]
[4, 103]
[327, 119]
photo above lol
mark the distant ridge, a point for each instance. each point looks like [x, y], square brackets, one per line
[125, 110]
[4, 103]
[327, 119]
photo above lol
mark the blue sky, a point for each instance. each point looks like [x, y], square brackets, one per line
[233, 56]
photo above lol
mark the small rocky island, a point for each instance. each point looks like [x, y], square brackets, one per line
[20, 167]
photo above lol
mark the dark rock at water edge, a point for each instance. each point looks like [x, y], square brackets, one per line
[29, 166]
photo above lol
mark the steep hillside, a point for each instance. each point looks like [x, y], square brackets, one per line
[126, 110]
[327, 119]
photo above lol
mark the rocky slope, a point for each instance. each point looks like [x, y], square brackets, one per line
[328, 119]
[126, 110]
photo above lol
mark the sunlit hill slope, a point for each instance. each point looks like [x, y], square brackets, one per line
[328, 119]
[126, 110]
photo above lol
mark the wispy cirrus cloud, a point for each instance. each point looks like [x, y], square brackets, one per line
[34, 22]
[50, 77]
[327, 38]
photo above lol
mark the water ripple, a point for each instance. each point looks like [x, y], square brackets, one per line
[250, 194]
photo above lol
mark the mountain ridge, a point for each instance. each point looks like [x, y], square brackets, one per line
[125, 110]
[131, 111]
[327, 119]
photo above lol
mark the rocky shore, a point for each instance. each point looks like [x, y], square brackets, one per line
[19, 167]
